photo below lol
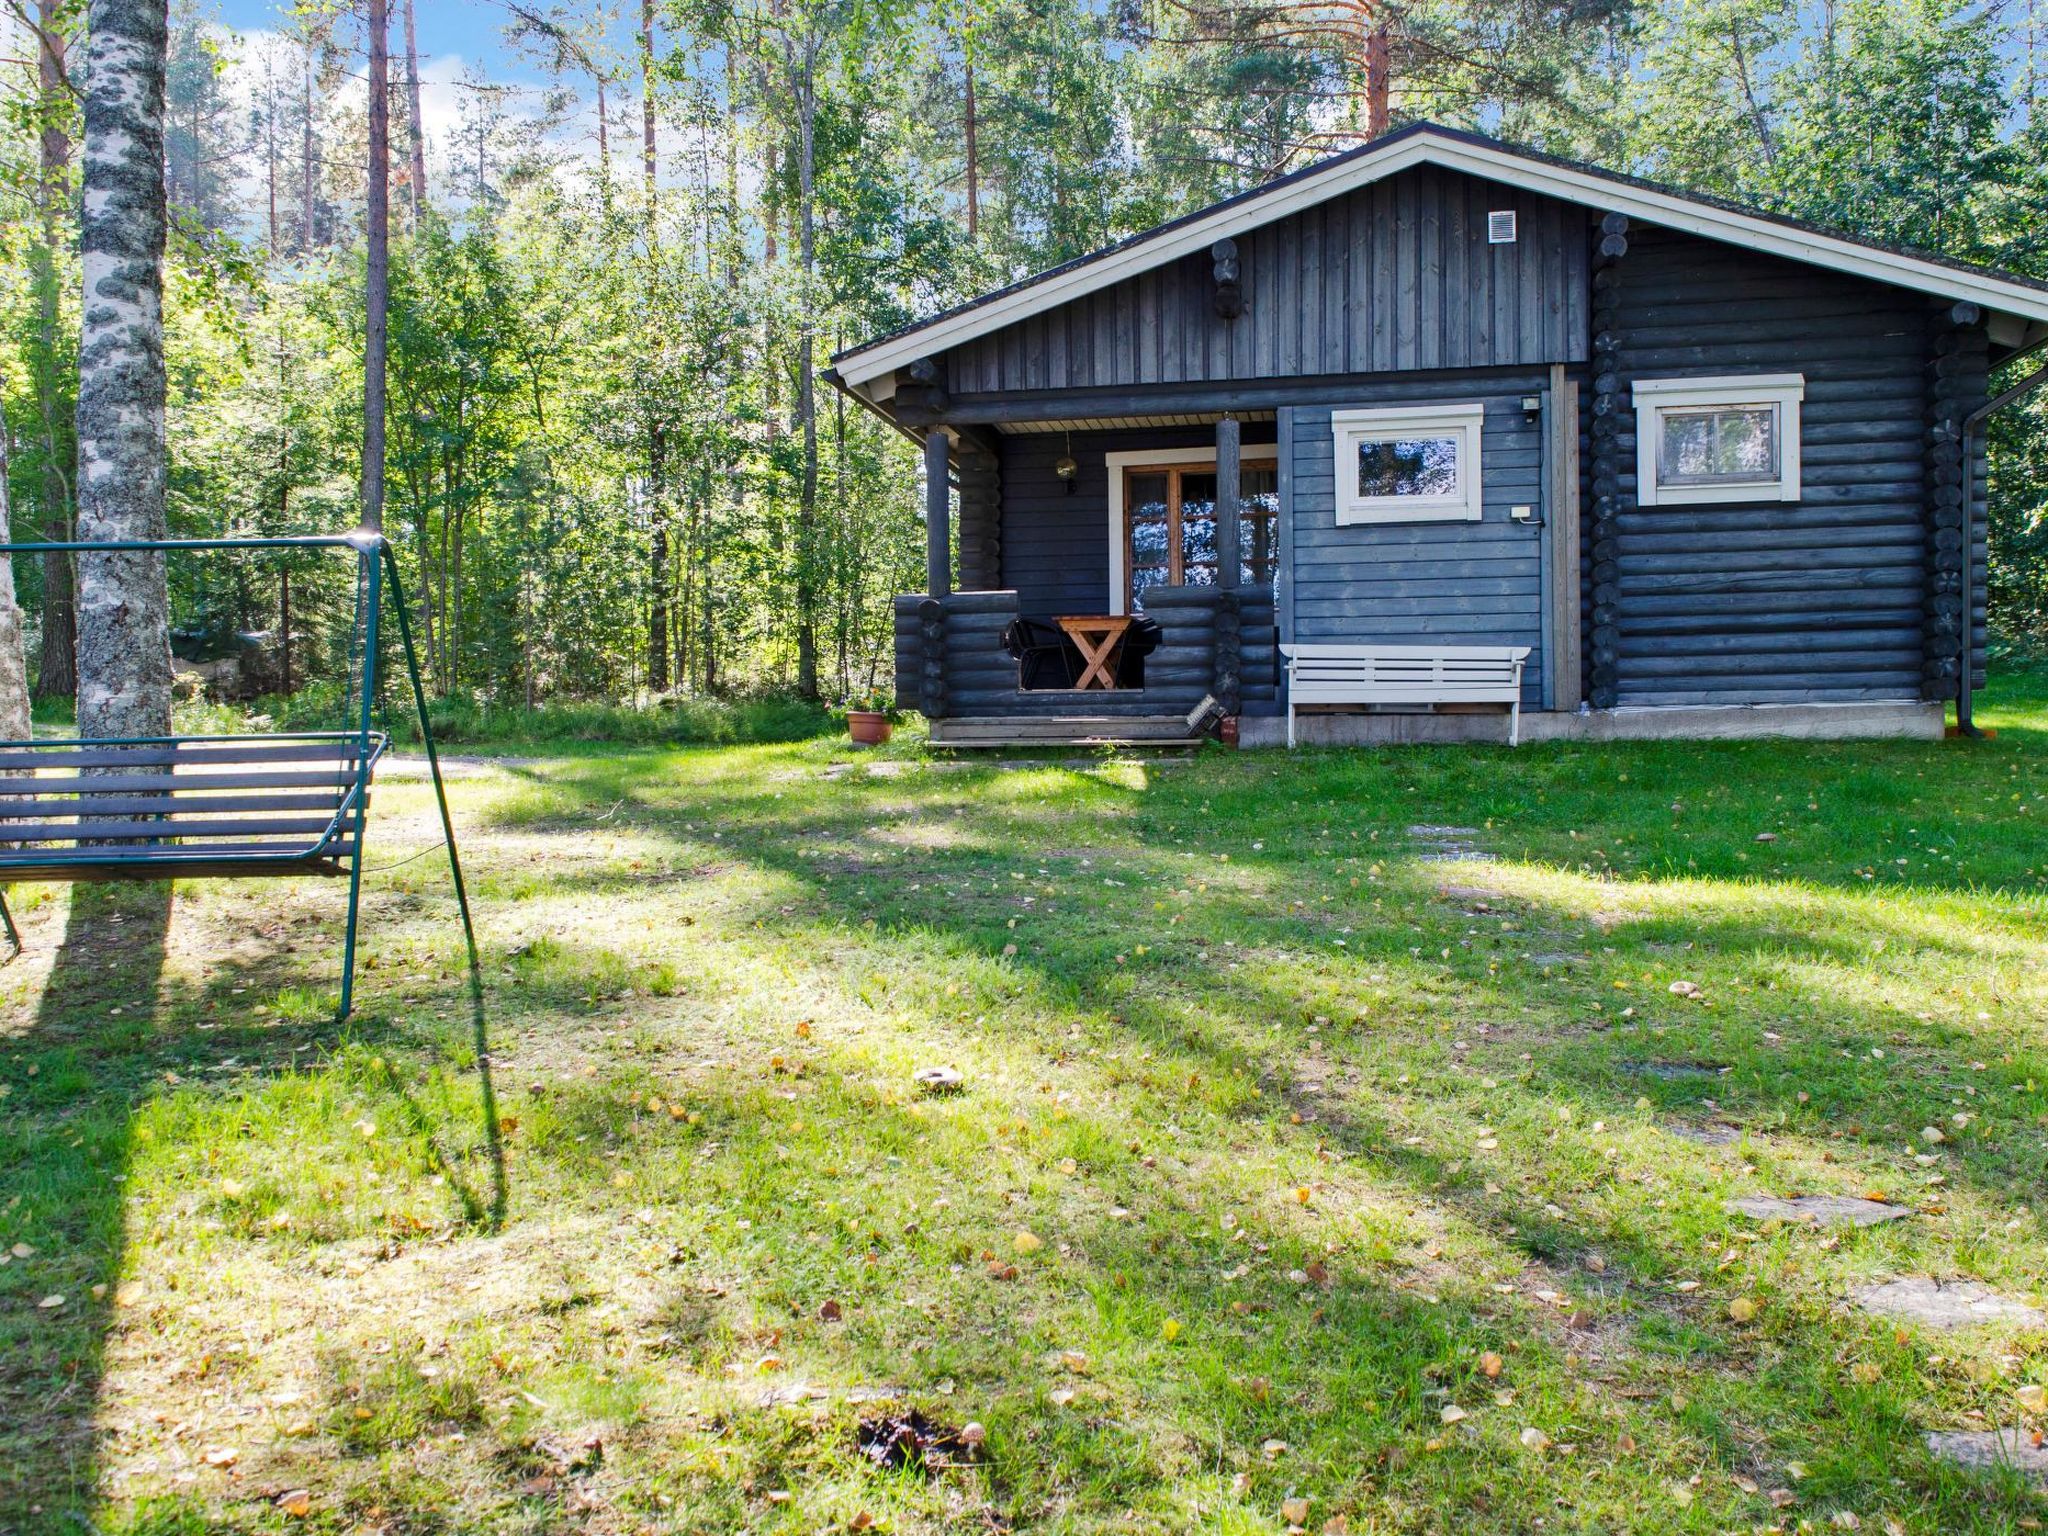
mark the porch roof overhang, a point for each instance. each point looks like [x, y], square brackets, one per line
[2016, 308]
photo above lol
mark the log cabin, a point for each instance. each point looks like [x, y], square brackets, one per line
[1444, 439]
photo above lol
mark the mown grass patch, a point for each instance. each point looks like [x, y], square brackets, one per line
[1291, 1160]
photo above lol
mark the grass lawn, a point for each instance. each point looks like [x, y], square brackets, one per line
[1303, 1170]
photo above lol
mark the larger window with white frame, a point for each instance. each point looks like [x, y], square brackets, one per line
[1408, 465]
[1735, 439]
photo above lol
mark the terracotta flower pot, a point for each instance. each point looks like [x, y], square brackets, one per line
[869, 728]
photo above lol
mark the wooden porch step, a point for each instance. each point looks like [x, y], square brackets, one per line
[1161, 731]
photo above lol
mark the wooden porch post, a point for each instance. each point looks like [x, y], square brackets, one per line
[1229, 565]
[938, 552]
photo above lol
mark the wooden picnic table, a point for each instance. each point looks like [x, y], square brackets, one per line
[1096, 636]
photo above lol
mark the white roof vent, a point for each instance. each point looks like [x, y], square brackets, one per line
[1500, 227]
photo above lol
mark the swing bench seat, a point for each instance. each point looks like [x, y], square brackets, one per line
[187, 807]
[178, 807]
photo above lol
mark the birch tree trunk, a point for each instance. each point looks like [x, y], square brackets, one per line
[806, 373]
[377, 284]
[124, 650]
[658, 679]
[14, 716]
[57, 673]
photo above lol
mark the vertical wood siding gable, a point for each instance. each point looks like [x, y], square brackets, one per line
[1394, 276]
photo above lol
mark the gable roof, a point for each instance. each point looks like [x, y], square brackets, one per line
[1430, 144]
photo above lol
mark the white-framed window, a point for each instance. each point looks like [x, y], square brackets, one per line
[1717, 440]
[1414, 464]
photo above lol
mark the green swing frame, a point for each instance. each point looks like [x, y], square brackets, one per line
[123, 791]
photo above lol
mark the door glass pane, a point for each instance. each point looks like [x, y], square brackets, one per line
[1198, 528]
[1146, 498]
[1258, 521]
[1727, 444]
[1408, 466]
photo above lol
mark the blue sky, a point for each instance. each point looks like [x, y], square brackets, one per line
[470, 29]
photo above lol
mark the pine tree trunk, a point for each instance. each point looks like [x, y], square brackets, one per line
[124, 650]
[973, 136]
[306, 158]
[57, 667]
[415, 124]
[1378, 80]
[14, 713]
[377, 286]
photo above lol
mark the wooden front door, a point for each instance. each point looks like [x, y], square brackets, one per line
[1170, 526]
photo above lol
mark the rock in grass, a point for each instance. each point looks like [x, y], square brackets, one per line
[1986, 1450]
[938, 1079]
[1818, 1210]
[1957, 1304]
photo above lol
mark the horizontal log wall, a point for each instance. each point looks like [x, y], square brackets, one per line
[1395, 276]
[1457, 583]
[1818, 600]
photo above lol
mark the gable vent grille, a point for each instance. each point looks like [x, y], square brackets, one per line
[1500, 227]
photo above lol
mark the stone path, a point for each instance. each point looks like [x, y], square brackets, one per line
[1986, 1450]
[1957, 1304]
[1706, 1135]
[1820, 1210]
[1444, 845]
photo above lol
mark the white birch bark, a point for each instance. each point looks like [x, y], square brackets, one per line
[14, 716]
[124, 653]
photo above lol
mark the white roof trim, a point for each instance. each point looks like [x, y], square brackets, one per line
[1453, 152]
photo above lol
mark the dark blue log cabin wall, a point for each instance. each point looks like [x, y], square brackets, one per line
[1831, 598]
[1390, 295]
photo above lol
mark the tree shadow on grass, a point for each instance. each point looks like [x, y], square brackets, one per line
[109, 1035]
[92, 1055]
[1799, 1364]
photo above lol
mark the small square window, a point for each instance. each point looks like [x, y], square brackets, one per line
[1717, 440]
[1409, 465]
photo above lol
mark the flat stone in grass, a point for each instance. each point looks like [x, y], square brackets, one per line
[1711, 1135]
[1676, 1071]
[1818, 1210]
[1986, 1450]
[1957, 1304]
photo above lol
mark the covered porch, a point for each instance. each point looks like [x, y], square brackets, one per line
[1167, 518]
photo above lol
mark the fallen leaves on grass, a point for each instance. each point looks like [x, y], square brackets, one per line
[913, 1442]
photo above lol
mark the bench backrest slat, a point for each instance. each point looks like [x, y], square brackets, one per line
[111, 830]
[157, 805]
[271, 800]
[230, 754]
[25, 787]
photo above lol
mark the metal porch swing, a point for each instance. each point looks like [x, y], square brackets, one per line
[176, 807]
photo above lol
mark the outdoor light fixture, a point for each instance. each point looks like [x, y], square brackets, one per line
[1065, 467]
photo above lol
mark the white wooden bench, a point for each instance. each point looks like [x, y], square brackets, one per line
[1406, 674]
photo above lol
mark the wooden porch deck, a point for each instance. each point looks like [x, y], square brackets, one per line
[1170, 733]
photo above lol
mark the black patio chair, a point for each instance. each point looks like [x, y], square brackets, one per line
[1045, 657]
[1140, 641]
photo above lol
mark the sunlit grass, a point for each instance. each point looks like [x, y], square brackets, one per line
[1277, 1135]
